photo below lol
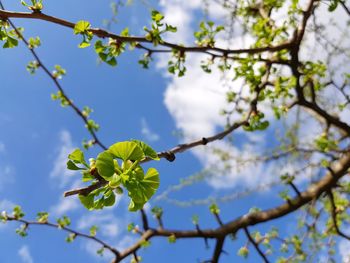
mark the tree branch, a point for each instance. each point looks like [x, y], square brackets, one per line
[251, 240]
[53, 78]
[334, 216]
[69, 230]
[101, 33]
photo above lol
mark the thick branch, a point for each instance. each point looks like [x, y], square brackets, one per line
[218, 250]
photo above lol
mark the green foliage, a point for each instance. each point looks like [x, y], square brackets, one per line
[131, 227]
[256, 122]
[42, 217]
[157, 28]
[172, 239]
[63, 222]
[118, 169]
[59, 96]
[108, 53]
[93, 231]
[22, 230]
[71, 237]
[205, 37]
[59, 72]
[3, 217]
[129, 174]
[177, 64]
[333, 5]
[10, 37]
[243, 252]
[157, 212]
[287, 179]
[36, 5]
[195, 220]
[145, 243]
[17, 212]
[145, 60]
[83, 28]
[100, 251]
[34, 42]
[214, 209]
[33, 66]
[325, 144]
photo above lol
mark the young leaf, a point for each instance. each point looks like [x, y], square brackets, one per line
[126, 151]
[105, 165]
[77, 156]
[147, 150]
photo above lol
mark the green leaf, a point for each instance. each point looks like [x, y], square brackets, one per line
[133, 207]
[112, 62]
[141, 192]
[72, 166]
[17, 212]
[147, 150]
[93, 231]
[77, 156]
[81, 27]
[172, 239]
[243, 251]
[126, 151]
[151, 180]
[42, 217]
[110, 200]
[105, 165]
[156, 16]
[63, 222]
[214, 209]
[87, 176]
[10, 42]
[87, 201]
[84, 44]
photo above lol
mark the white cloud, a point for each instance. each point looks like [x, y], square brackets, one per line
[147, 132]
[60, 171]
[194, 101]
[25, 255]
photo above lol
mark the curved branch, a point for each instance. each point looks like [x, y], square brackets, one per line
[54, 79]
[69, 230]
[169, 155]
[339, 169]
[101, 33]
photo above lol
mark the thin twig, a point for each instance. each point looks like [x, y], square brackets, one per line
[251, 240]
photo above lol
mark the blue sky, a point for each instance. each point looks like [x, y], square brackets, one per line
[36, 134]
